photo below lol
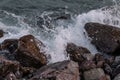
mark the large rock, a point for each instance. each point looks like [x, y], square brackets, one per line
[29, 52]
[94, 74]
[106, 38]
[76, 52]
[66, 70]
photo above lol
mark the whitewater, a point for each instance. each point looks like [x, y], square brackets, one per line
[58, 35]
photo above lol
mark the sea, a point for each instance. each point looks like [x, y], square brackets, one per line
[56, 22]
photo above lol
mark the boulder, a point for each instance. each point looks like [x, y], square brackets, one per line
[106, 38]
[76, 52]
[65, 70]
[29, 52]
[94, 74]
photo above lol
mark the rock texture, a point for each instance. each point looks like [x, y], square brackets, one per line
[29, 52]
[94, 74]
[66, 70]
[106, 38]
[76, 52]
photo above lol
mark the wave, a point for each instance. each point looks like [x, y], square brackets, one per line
[55, 34]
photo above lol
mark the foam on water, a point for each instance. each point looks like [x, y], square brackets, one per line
[74, 33]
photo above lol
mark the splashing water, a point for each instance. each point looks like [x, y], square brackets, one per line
[57, 36]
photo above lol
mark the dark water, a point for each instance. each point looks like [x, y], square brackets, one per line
[75, 6]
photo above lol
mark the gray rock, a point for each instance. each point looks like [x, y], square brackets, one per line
[65, 70]
[94, 74]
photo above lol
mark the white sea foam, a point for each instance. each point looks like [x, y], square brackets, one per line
[74, 33]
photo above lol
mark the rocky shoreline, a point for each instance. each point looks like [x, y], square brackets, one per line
[24, 59]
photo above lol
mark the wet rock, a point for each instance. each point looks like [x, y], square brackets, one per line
[87, 65]
[29, 52]
[10, 44]
[76, 52]
[107, 69]
[10, 76]
[106, 77]
[94, 74]
[117, 77]
[100, 64]
[109, 43]
[99, 60]
[8, 47]
[65, 70]
[88, 56]
[116, 71]
[7, 66]
[110, 60]
[1, 33]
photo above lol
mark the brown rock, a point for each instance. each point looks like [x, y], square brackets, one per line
[94, 74]
[29, 52]
[66, 70]
[106, 38]
[87, 65]
[7, 66]
[76, 52]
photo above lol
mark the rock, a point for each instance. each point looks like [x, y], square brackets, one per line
[10, 44]
[106, 77]
[106, 38]
[107, 69]
[65, 70]
[87, 65]
[100, 64]
[10, 76]
[76, 52]
[94, 74]
[7, 66]
[29, 52]
[116, 71]
[1, 33]
[117, 77]
[88, 56]
[8, 48]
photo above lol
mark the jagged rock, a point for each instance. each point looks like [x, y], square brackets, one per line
[29, 52]
[106, 38]
[65, 70]
[94, 74]
[76, 52]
